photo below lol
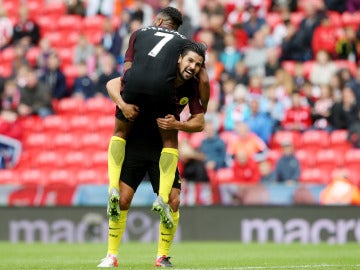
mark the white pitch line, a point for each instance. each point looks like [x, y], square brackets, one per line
[316, 266]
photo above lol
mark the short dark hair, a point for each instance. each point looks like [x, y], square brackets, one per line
[173, 14]
[193, 46]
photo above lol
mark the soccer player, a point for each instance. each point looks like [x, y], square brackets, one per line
[143, 151]
[148, 83]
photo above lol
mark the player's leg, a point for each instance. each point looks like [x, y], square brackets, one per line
[166, 235]
[116, 154]
[117, 227]
[167, 165]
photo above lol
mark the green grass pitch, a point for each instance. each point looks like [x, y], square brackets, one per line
[185, 256]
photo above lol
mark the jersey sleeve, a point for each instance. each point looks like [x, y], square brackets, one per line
[129, 54]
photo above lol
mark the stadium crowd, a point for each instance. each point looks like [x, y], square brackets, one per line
[285, 85]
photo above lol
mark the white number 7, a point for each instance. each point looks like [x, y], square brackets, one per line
[166, 38]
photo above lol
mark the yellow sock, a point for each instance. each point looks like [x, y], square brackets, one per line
[166, 236]
[167, 164]
[116, 230]
[116, 154]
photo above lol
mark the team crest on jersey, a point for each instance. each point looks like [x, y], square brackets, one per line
[184, 100]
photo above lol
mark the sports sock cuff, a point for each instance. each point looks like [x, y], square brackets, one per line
[117, 138]
[173, 151]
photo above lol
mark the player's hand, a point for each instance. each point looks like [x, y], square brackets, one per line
[167, 123]
[130, 111]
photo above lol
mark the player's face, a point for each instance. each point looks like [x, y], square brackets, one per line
[190, 65]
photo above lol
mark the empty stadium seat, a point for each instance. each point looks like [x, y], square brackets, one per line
[225, 175]
[315, 176]
[70, 106]
[99, 106]
[32, 176]
[328, 159]
[55, 123]
[36, 140]
[81, 123]
[352, 158]
[76, 160]
[89, 176]
[315, 139]
[338, 140]
[306, 157]
[285, 135]
[8, 176]
[66, 141]
[49, 160]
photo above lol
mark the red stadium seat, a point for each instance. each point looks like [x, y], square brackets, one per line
[55, 38]
[81, 123]
[315, 176]
[89, 176]
[351, 19]
[99, 106]
[66, 55]
[339, 141]
[70, 106]
[8, 176]
[55, 123]
[55, 8]
[328, 159]
[76, 160]
[225, 175]
[32, 176]
[66, 141]
[352, 158]
[46, 24]
[7, 55]
[37, 141]
[96, 141]
[196, 139]
[70, 22]
[273, 156]
[105, 123]
[93, 23]
[285, 135]
[315, 139]
[60, 176]
[48, 160]
[32, 54]
[99, 160]
[71, 72]
[306, 157]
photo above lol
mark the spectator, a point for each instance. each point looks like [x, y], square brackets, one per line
[320, 113]
[108, 72]
[54, 78]
[83, 85]
[270, 105]
[6, 29]
[230, 55]
[142, 10]
[99, 7]
[190, 8]
[75, 7]
[255, 88]
[259, 123]
[236, 108]
[247, 141]
[354, 132]
[272, 64]
[193, 163]
[323, 69]
[267, 174]
[10, 98]
[83, 50]
[335, 5]
[134, 25]
[325, 38]
[299, 78]
[111, 39]
[352, 5]
[19, 58]
[26, 31]
[340, 191]
[45, 49]
[35, 96]
[216, 25]
[292, 46]
[241, 73]
[287, 168]
[344, 112]
[298, 116]
[213, 148]
[254, 22]
[280, 29]
[94, 62]
[256, 56]
[246, 170]
[346, 47]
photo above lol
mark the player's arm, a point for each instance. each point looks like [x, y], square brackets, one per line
[195, 123]
[113, 87]
[204, 88]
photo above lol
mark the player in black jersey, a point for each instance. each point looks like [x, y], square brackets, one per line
[143, 152]
[148, 83]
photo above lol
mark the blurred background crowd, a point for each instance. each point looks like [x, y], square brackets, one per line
[283, 122]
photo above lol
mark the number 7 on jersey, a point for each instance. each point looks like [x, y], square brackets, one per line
[166, 37]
